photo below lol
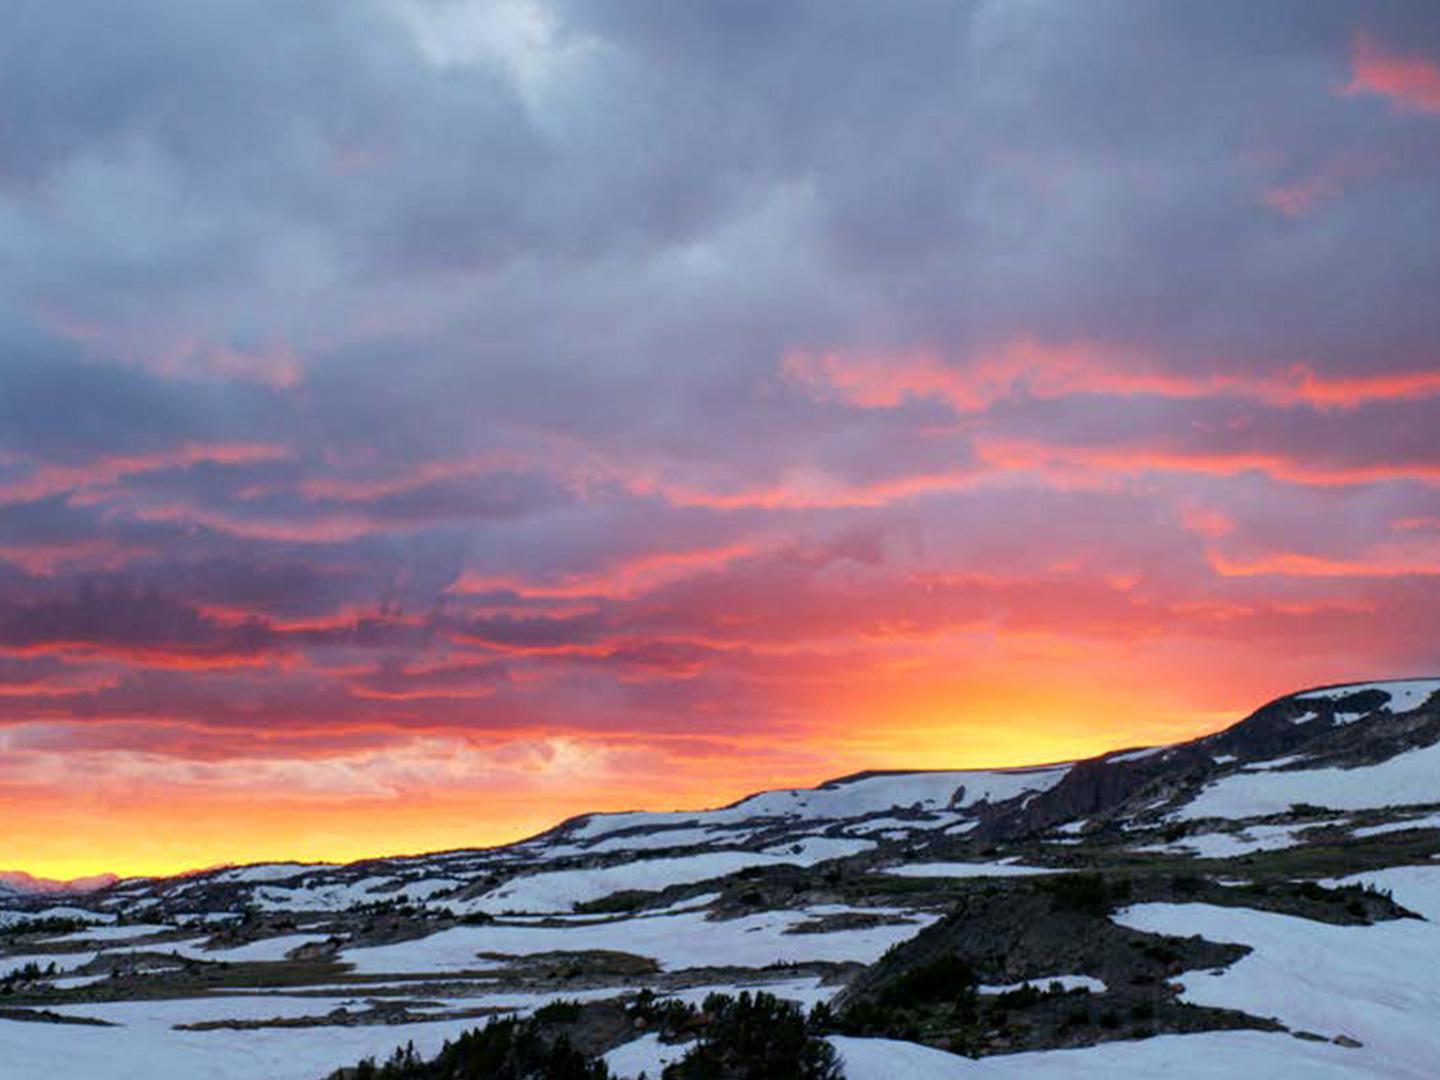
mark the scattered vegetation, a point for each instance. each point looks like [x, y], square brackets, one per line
[25, 976]
[749, 1037]
[52, 924]
[504, 1049]
[1089, 894]
[755, 1038]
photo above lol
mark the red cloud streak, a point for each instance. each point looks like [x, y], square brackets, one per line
[1410, 82]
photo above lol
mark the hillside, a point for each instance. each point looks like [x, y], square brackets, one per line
[1043, 921]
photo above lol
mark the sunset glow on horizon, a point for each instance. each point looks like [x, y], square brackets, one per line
[467, 416]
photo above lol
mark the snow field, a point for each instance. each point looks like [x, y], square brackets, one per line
[1378, 984]
[968, 870]
[849, 799]
[559, 891]
[678, 941]
[1221, 1055]
[1411, 778]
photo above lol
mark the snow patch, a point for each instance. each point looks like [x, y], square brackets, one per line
[1432, 821]
[1404, 693]
[647, 1055]
[562, 890]
[967, 870]
[682, 940]
[1409, 778]
[1378, 984]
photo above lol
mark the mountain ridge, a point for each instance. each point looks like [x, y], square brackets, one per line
[831, 784]
[1054, 909]
[939, 810]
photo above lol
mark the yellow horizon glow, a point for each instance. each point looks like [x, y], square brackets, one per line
[142, 839]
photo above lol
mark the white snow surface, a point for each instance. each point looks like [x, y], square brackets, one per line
[1404, 694]
[969, 869]
[682, 940]
[148, 1048]
[114, 933]
[266, 949]
[1217, 1055]
[561, 890]
[846, 799]
[1414, 887]
[10, 918]
[1137, 755]
[1379, 984]
[646, 1054]
[262, 872]
[1430, 821]
[665, 838]
[337, 896]
[809, 850]
[1275, 763]
[1409, 778]
[1225, 845]
[889, 1059]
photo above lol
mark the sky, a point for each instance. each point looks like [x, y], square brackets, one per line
[423, 420]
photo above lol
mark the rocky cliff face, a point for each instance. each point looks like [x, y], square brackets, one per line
[1344, 727]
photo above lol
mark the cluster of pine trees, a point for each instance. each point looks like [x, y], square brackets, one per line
[749, 1037]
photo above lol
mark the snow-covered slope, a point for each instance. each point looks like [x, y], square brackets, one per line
[931, 797]
[1352, 748]
[813, 893]
[1406, 779]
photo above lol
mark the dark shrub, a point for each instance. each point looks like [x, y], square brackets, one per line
[1087, 893]
[947, 978]
[507, 1049]
[756, 1038]
[558, 1012]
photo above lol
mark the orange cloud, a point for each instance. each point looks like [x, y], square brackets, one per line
[1064, 461]
[1206, 521]
[1410, 82]
[333, 528]
[812, 490]
[1383, 562]
[1057, 371]
[626, 578]
[46, 479]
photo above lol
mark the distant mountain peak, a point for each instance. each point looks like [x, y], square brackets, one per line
[17, 881]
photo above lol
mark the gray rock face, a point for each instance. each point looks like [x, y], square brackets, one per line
[1320, 729]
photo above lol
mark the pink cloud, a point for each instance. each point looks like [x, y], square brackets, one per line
[41, 479]
[1410, 82]
[1299, 196]
[1041, 370]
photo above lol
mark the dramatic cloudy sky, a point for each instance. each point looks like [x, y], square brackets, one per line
[424, 419]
